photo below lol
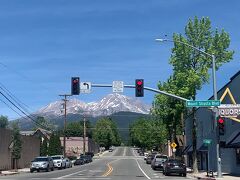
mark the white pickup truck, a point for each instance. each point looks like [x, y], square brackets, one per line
[59, 161]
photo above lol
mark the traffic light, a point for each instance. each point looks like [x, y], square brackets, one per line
[221, 128]
[139, 88]
[75, 86]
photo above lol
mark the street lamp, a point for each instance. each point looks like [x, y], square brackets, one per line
[219, 172]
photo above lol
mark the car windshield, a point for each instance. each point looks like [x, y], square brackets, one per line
[174, 161]
[40, 159]
[56, 157]
[161, 158]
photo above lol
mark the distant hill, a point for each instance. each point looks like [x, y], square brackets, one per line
[122, 109]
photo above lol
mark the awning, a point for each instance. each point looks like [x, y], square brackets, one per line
[202, 148]
[185, 150]
[234, 140]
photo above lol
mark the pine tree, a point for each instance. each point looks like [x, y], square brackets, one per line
[17, 144]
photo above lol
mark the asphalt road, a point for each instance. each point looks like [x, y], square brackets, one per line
[121, 164]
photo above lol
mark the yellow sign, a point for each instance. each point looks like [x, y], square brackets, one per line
[173, 145]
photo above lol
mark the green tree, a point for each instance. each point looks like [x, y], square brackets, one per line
[44, 147]
[106, 133]
[148, 133]
[54, 145]
[191, 67]
[16, 144]
[43, 123]
[75, 129]
[3, 121]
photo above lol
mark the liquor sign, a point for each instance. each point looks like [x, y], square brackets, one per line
[229, 110]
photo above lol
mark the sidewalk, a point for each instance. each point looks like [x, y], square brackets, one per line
[14, 171]
[203, 175]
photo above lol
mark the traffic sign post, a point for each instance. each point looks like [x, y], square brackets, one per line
[117, 86]
[173, 145]
[207, 141]
[85, 87]
[207, 103]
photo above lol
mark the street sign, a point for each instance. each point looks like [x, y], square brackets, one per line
[85, 87]
[229, 110]
[117, 86]
[173, 145]
[207, 141]
[207, 103]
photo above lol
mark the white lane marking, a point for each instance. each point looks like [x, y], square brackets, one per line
[124, 151]
[79, 172]
[85, 178]
[142, 170]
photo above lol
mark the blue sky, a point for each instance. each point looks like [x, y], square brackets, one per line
[44, 43]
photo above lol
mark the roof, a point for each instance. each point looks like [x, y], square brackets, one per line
[27, 133]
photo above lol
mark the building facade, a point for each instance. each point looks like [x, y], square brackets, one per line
[30, 149]
[74, 146]
[229, 142]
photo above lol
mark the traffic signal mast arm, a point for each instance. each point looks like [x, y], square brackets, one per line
[146, 88]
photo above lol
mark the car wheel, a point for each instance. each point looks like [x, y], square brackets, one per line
[52, 169]
[184, 174]
[38, 170]
[31, 171]
[47, 170]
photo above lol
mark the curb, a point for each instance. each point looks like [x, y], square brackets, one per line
[205, 178]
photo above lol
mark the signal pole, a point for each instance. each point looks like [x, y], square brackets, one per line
[84, 135]
[65, 121]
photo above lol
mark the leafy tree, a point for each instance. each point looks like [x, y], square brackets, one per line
[106, 133]
[75, 129]
[3, 121]
[43, 123]
[54, 145]
[44, 147]
[17, 143]
[191, 67]
[148, 133]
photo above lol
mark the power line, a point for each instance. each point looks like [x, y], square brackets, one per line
[22, 111]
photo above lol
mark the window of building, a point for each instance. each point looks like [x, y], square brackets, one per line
[238, 156]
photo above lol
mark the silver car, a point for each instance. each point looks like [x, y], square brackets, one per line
[59, 161]
[42, 163]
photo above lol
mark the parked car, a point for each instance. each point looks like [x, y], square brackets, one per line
[149, 159]
[86, 158]
[68, 163]
[59, 161]
[158, 161]
[174, 166]
[79, 161]
[42, 163]
[145, 155]
[89, 153]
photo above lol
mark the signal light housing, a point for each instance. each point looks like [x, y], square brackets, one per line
[139, 87]
[75, 85]
[221, 128]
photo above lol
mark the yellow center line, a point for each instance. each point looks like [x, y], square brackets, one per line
[109, 171]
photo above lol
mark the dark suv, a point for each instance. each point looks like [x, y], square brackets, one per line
[174, 166]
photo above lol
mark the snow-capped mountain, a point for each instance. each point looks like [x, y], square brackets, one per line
[110, 104]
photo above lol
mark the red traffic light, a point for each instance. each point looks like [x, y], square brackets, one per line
[221, 121]
[139, 83]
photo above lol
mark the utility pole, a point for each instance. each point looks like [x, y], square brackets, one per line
[65, 121]
[84, 135]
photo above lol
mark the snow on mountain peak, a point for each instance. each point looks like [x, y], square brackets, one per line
[112, 103]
